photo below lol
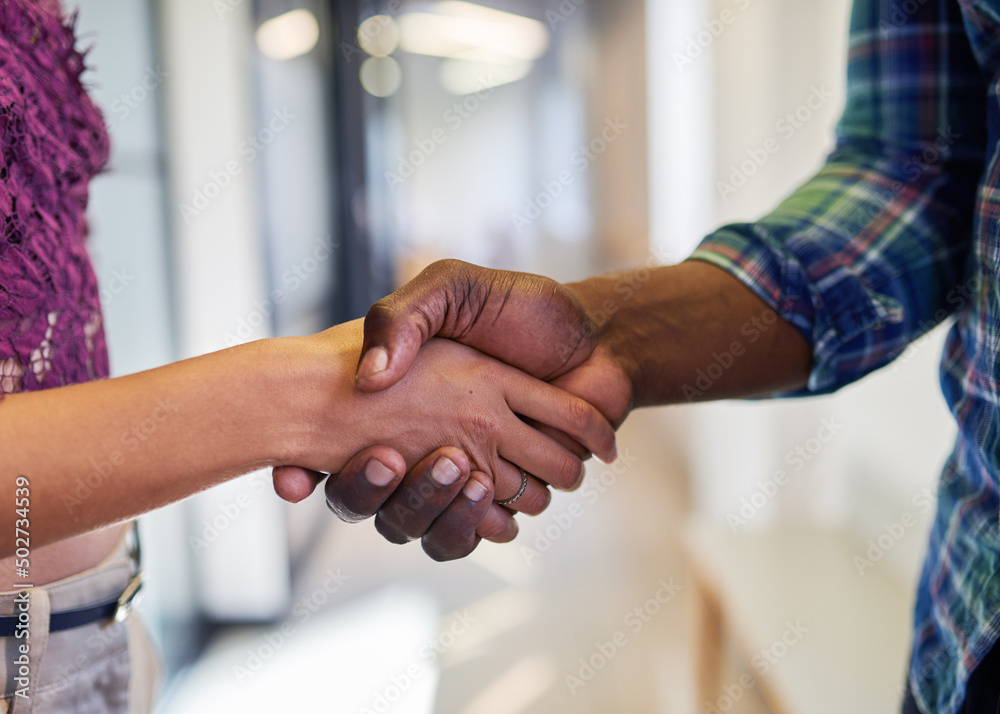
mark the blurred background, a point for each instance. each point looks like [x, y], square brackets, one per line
[278, 165]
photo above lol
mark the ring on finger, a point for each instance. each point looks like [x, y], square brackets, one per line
[520, 492]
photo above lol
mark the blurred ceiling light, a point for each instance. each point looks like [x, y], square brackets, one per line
[460, 76]
[379, 35]
[381, 76]
[289, 35]
[453, 28]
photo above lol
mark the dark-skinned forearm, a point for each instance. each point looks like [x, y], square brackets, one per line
[693, 332]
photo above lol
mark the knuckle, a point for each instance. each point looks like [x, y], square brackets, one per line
[391, 531]
[343, 513]
[445, 551]
[379, 316]
[506, 482]
[498, 529]
[581, 415]
[338, 499]
[420, 495]
[500, 533]
[483, 426]
[535, 501]
[447, 266]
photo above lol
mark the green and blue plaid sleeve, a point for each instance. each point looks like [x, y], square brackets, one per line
[866, 256]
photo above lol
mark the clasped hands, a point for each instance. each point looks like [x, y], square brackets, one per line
[523, 389]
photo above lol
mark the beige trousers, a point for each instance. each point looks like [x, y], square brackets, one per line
[108, 667]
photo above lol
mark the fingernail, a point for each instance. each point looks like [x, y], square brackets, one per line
[378, 474]
[445, 472]
[375, 360]
[475, 491]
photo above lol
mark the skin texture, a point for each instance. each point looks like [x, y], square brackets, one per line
[618, 341]
[161, 435]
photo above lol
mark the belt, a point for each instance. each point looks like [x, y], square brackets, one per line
[115, 609]
[118, 608]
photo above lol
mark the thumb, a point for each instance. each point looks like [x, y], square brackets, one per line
[293, 483]
[397, 326]
[393, 337]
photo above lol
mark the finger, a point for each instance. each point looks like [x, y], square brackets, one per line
[294, 483]
[423, 495]
[528, 321]
[398, 325]
[563, 411]
[453, 534]
[540, 456]
[498, 525]
[391, 343]
[364, 484]
[567, 442]
[535, 498]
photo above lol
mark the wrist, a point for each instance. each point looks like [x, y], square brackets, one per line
[667, 325]
[602, 297]
[306, 392]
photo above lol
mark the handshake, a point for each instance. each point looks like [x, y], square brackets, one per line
[469, 391]
[473, 390]
[457, 403]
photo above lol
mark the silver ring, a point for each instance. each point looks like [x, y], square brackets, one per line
[524, 485]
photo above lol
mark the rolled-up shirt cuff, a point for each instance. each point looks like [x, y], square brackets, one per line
[835, 318]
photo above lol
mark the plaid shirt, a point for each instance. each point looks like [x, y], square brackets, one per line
[899, 231]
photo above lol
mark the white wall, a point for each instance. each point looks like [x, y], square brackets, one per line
[896, 431]
[220, 278]
[129, 245]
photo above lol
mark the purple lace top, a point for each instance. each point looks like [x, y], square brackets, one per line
[54, 141]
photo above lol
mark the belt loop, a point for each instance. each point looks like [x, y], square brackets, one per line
[128, 597]
[134, 547]
[39, 610]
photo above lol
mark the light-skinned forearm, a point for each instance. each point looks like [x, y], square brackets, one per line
[693, 332]
[104, 452]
